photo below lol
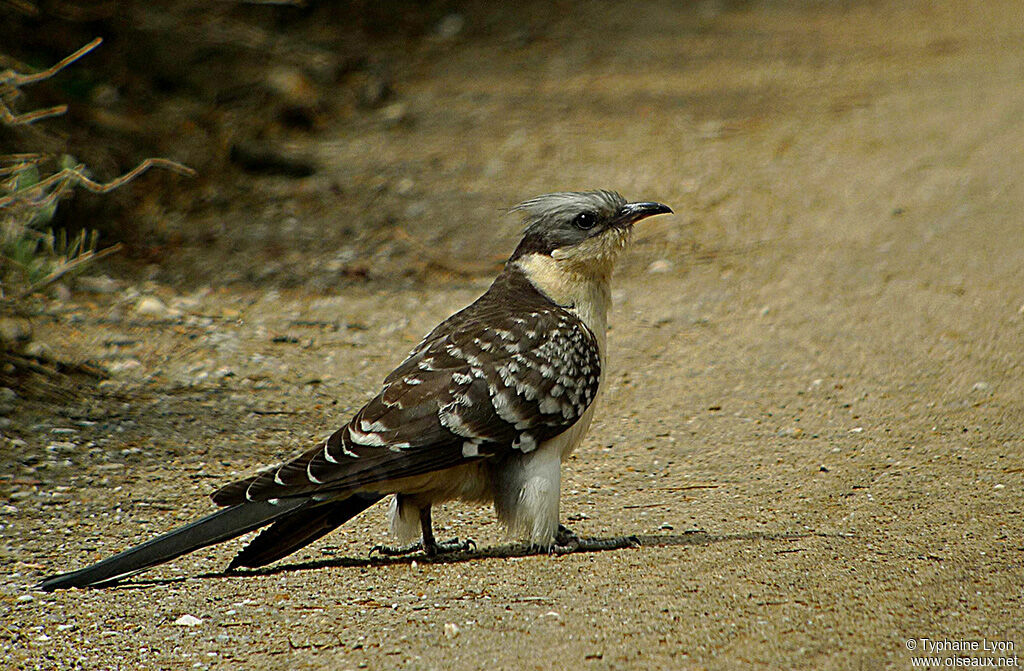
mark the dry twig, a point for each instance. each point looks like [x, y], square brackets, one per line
[11, 81]
[75, 177]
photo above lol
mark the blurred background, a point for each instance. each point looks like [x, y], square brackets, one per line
[340, 142]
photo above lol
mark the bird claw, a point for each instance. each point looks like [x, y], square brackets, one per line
[396, 550]
[444, 547]
[567, 542]
[455, 545]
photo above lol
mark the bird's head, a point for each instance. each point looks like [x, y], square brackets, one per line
[581, 231]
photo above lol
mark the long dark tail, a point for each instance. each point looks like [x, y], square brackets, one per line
[216, 528]
[299, 529]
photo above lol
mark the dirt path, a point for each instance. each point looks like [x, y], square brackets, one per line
[814, 414]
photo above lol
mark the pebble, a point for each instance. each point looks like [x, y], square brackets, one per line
[15, 330]
[61, 293]
[395, 114]
[7, 398]
[292, 85]
[449, 26]
[188, 621]
[98, 284]
[451, 630]
[38, 350]
[659, 266]
[126, 366]
[151, 306]
[374, 92]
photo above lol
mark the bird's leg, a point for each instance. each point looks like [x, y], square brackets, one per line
[428, 544]
[431, 547]
[567, 541]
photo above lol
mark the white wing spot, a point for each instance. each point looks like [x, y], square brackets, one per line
[371, 427]
[550, 405]
[524, 442]
[454, 423]
[366, 438]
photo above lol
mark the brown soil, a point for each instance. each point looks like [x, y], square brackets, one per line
[815, 406]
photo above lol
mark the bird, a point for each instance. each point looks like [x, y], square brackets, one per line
[485, 409]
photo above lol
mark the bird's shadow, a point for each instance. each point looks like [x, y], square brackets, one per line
[694, 537]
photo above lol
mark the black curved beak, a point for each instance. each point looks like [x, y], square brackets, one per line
[634, 212]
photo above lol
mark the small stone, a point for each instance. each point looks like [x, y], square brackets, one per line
[98, 284]
[15, 330]
[451, 630]
[188, 621]
[38, 350]
[981, 386]
[25, 598]
[61, 293]
[125, 366]
[7, 399]
[374, 92]
[404, 186]
[151, 306]
[659, 266]
[711, 129]
[395, 114]
[665, 526]
[449, 26]
[997, 487]
[293, 86]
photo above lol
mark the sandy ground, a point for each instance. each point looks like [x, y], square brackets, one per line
[815, 406]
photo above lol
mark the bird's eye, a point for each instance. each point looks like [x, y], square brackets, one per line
[585, 220]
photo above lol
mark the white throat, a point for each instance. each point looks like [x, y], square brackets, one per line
[584, 291]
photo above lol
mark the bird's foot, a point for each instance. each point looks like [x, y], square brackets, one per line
[396, 550]
[453, 545]
[567, 542]
[430, 550]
